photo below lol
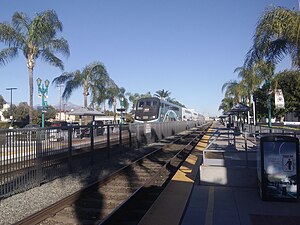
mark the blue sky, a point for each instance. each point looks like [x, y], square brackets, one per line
[188, 47]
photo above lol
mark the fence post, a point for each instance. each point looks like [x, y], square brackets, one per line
[38, 150]
[120, 135]
[92, 144]
[108, 136]
[246, 148]
[130, 137]
[70, 130]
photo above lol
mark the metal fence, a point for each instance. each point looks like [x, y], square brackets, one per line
[238, 147]
[30, 157]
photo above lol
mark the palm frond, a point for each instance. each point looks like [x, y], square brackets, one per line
[49, 57]
[8, 54]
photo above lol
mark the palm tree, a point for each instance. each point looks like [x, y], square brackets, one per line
[234, 90]
[226, 104]
[35, 38]
[251, 81]
[162, 94]
[92, 78]
[133, 98]
[277, 34]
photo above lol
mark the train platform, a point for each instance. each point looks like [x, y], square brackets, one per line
[217, 185]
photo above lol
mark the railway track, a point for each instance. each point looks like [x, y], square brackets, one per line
[129, 191]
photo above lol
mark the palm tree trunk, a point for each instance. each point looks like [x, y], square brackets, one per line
[30, 75]
[115, 110]
[85, 101]
[85, 93]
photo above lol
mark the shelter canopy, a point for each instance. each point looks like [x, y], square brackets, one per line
[85, 112]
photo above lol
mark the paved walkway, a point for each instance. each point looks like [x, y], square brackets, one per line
[219, 190]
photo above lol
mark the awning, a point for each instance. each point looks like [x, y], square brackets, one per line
[239, 107]
[85, 112]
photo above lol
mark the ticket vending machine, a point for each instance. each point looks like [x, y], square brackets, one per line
[277, 168]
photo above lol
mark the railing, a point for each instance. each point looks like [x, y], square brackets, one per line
[30, 157]
[233, 148]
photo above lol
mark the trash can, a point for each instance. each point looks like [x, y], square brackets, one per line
[277, 168]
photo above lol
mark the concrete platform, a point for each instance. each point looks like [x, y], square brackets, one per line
[219, 194]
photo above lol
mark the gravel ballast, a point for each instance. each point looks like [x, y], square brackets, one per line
[21, 205]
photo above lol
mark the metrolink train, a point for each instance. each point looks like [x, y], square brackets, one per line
[158, 110]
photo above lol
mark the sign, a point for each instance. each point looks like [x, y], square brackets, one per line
[278, 167]
[42, 109]
[147, 128]
[279, 99]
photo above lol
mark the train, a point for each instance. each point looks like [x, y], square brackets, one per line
[155, 110]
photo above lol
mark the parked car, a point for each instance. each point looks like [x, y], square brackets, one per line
[58, 134]
[32, 126]
[98, 125]
[62, 124]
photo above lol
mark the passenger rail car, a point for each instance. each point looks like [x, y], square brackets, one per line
[158, 110]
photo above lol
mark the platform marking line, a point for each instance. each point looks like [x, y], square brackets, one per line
[204, 141]
[210, 207]
[190, 162]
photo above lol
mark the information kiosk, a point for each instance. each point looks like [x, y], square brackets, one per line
[277, 168]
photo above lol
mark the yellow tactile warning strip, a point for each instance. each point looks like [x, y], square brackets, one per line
[170, 205]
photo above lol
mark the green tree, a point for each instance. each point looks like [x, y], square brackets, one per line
[226, 104]
[36, 38]
[277, 34]
[133, 98]
[2, 101]
[251, 80]
[235, 90]
[289, 82]
[163, 94]
[93, 78]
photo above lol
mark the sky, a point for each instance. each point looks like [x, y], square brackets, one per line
[188, 47]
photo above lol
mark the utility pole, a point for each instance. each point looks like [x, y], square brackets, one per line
[60, 99]
[10, 109]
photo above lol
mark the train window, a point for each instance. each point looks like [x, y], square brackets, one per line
[148, 103]
[154, 103]
[141, 104]
[174, 108]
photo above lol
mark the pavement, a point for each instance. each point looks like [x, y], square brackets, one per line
[217, 185]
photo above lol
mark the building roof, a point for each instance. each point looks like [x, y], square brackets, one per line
[85, 112]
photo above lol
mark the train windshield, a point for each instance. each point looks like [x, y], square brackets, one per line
[147, 109]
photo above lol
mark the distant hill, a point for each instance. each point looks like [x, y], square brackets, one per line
[68, 106]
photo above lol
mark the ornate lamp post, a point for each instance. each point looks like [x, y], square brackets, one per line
[10, 109]
[43, 91]
[121, 109]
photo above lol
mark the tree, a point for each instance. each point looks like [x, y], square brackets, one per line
[251, 81]
[226, 104]
[277, 34]
[2, 101]
[35, 38]
[162, 94]
[133, 98]
[93, 78]
[235, 90]
[289, 82]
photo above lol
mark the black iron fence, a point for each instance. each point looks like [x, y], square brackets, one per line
[32, 156]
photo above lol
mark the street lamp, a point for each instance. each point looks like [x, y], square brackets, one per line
[121, 109]
[11, 111]
[42, 91]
